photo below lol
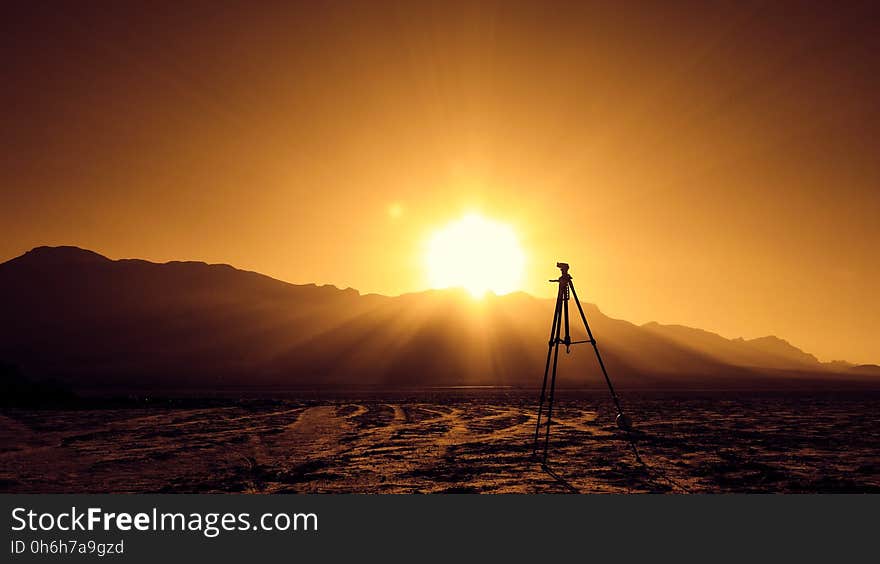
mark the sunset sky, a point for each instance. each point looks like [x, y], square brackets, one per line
[716, 168]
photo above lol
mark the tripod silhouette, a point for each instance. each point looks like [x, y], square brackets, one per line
[560, 318]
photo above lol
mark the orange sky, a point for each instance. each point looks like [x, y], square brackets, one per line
[712, 168]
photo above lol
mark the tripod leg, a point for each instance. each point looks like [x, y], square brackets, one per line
[552, 393]
[567, 339]
[595, 348]
[553, 332]
[623, 420]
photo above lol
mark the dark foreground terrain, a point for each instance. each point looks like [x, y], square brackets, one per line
[447, 441]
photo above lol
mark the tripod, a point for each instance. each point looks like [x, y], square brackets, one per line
[560, 317]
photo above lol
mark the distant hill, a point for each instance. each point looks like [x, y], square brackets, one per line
[75, 316]
[763, 352]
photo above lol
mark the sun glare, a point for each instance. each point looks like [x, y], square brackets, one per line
[477, 254]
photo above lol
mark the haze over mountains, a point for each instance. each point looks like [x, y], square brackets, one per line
[76, 316]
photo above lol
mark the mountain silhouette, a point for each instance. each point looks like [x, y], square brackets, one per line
[763, 352]
[77, 317]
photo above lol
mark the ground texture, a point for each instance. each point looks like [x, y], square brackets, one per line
[448, 441]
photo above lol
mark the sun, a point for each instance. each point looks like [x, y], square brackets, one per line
[477, 254]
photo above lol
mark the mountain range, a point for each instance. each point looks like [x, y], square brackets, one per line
[77, 317]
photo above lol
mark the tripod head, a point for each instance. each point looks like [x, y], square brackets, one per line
[563, 268]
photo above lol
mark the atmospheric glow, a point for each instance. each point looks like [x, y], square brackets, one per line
[477, 254]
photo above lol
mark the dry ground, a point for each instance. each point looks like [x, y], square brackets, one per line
[450, 441]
